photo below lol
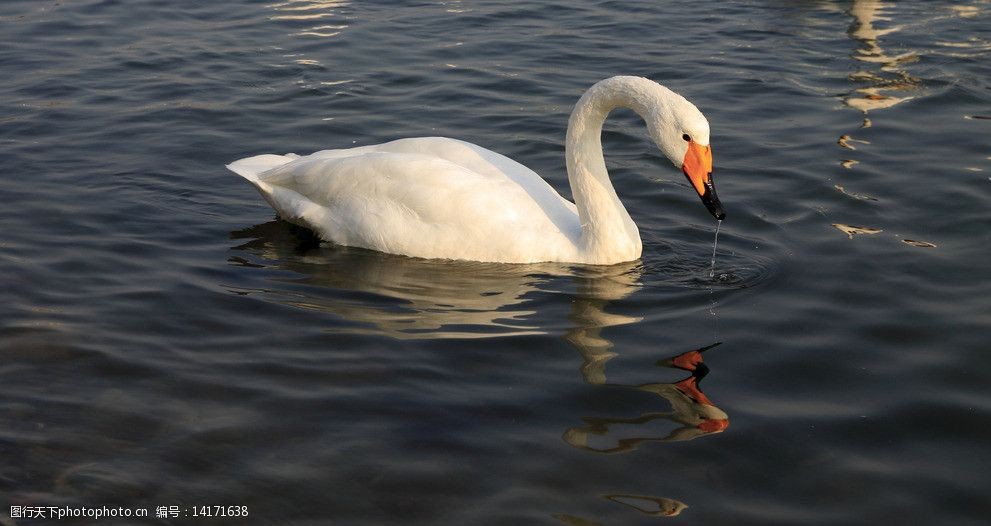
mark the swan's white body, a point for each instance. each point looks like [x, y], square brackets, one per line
[435, 197]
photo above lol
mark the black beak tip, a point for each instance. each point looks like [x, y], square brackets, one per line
[712, 203]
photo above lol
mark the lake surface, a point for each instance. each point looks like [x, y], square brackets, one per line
[166, 341]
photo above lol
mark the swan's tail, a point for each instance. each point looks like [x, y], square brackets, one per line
[251, 167]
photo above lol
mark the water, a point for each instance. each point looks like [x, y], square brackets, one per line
[715, 243]
[164, 341]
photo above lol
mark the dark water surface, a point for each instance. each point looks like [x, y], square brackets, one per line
[164, 341]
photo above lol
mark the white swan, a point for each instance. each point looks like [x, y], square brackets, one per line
[434, 197]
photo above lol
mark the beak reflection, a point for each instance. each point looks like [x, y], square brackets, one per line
[691, 409]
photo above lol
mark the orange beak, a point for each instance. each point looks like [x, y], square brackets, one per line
[698, 168]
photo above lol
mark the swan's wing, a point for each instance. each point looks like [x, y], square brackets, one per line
[484, 162]
[419, 204]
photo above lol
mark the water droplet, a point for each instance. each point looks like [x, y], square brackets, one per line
[712, 263]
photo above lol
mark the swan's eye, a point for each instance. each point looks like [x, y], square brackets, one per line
[686, 137]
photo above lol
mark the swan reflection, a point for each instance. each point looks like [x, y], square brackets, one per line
[691, 410]
[588, 317]
[646, 504]
[653, 506]
[410, 298]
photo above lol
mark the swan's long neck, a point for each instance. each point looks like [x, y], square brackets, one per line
[608, 232]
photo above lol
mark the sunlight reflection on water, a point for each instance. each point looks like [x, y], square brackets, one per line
[312, 10]
[158, 349]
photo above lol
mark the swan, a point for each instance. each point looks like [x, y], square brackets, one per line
[435, 197]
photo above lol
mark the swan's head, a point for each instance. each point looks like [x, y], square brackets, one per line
[682, 133]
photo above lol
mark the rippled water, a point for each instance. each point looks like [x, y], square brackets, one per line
[164, 341]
